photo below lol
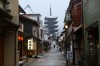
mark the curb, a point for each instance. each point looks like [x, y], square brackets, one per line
[32, 61]
[29, 62]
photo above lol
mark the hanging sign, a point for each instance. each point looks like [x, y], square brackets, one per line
[30, 44]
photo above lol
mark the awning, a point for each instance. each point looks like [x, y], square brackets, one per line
[31, 36]
[8, 25]
[77, 28]
[78, 31]
[38, 39]
[28, 19]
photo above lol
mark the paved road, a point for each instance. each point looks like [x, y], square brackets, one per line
[52, 58]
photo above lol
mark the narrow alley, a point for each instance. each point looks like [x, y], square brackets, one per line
[49, 32]
[52, 58]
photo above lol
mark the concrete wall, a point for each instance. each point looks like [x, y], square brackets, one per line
[98, 47]
[14, 11]
[91, 11]
[15, 14]
[91, 14]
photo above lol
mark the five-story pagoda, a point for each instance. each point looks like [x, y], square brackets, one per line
[50, 24]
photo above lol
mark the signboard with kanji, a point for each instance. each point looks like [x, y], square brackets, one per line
[69, 55]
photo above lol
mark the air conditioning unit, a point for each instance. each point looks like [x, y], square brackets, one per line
[8, 6]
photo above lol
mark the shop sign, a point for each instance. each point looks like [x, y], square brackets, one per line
[69, 55]
[30, 44]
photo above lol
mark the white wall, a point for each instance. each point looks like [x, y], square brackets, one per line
[35, 29]
[33, 17]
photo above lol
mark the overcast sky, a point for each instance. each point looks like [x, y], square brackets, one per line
[43, 7]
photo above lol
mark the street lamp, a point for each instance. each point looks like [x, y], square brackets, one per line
[66, 26]
[50, 35]
[50, 40]
[65, 41]
[61, 37]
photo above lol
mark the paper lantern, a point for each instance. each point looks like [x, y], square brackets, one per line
[19, 37]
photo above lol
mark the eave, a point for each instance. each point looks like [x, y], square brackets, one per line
[28, 19]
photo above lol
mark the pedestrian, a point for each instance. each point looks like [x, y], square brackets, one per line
[54, 46]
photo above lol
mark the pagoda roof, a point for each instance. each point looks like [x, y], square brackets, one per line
[50, 18]
[51, 22]
[51, 26]
[53, 30]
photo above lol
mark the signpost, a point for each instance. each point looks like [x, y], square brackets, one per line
[69, 55]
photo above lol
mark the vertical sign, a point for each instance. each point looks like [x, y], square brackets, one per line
[30, 44]
[69, 55]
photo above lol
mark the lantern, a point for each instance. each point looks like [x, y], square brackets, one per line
[19, 37]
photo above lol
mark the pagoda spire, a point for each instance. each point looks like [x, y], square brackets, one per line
[50, 10]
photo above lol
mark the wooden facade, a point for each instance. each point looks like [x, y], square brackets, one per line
[1, 50]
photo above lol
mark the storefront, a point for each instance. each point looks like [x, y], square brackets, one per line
[93, 41]
[78, 46]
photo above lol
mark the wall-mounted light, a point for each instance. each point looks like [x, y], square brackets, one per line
[50, 34]
[63, 34]
[20, 38]
[66, 26]
[61, 37]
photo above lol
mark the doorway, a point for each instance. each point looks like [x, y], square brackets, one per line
[1, 50]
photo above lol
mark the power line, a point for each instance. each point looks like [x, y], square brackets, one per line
[28, 6]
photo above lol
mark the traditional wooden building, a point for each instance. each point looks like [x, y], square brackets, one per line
[29, 45]
[73, 18]
[8, 32]
[37, 31]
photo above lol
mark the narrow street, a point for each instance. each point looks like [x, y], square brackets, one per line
[49, 32]
[52, 58]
